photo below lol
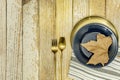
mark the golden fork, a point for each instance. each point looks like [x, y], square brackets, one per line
[61, 46]
[54, 49]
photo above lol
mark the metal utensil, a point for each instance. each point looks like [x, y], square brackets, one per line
[62, 43]
[61, 46]
[54, 49]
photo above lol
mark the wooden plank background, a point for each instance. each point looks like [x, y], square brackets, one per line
[30, 40]
[3, 39]
[14, 41]
[27, 27]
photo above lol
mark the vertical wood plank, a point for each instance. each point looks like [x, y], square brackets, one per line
[46, 24]
[14, 40]
[30, 40]
[64, 27]
[113, 13]
[97, 7]
[80, 10]
[2, 39]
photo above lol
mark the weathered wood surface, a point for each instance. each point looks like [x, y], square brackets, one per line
[14, 40]
[97, 7]
[3, 39]
[27, 27]
[46, 24]
[78, 11]
[113, 13]
[30, 40]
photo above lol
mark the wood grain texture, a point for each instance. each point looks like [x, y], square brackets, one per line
[27, 27]
[25, 1]
[80, 10]
[3, 39]
[30, 41]
[113, 13]
[46, 24]
[14, 40]
[64, 27]
[97, 7]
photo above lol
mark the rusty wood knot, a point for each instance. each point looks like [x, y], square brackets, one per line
[25, 1]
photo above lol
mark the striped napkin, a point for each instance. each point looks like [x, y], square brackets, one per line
[78, 71]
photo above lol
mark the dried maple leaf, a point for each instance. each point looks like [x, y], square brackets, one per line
[100, 36]
[99, 49]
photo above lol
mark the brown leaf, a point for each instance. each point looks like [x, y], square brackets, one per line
[95, 59]
[99, 49]
[100, 36]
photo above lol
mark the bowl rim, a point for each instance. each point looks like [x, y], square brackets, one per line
[89, 20]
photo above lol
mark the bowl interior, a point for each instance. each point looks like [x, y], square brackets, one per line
[87, 33]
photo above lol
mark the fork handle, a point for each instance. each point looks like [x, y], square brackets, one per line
[55, 66]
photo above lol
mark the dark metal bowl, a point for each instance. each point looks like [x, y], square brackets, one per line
[89, 32]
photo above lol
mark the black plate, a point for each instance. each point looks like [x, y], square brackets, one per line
[87, 33]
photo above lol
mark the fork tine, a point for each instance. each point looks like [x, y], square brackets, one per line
[52, 42]
[55, 42]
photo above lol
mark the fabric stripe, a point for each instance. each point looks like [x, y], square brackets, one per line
[89, 70]
[81, 76]
[86, 73]
[112, 71]
[75, 77]
[79, 72]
